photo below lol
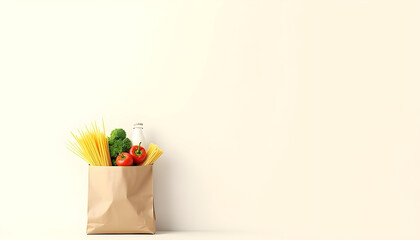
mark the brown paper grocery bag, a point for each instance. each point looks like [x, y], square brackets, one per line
[120, 200]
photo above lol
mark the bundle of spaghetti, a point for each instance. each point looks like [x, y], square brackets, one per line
[153, 153]
[91, 145]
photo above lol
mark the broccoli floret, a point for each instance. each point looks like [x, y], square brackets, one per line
[119, 146]
[126, 145]
[118, 143]
[118, 133]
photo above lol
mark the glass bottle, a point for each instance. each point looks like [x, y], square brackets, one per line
[138, 135]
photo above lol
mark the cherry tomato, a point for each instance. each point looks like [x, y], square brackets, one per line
[124, 159]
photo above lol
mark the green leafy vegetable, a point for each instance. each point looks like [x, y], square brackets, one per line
[118, 143]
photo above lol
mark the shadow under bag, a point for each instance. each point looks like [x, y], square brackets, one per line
[120, 200]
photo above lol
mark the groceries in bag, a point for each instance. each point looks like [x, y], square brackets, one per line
[96, 149]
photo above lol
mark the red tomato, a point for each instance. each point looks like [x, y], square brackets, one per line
[124, 159]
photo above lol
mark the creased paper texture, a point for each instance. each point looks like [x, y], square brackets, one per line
[120, 200]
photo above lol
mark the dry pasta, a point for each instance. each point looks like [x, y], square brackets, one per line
[91, 145]
[153, 153]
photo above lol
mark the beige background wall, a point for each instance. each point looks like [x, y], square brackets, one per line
[299, 117]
